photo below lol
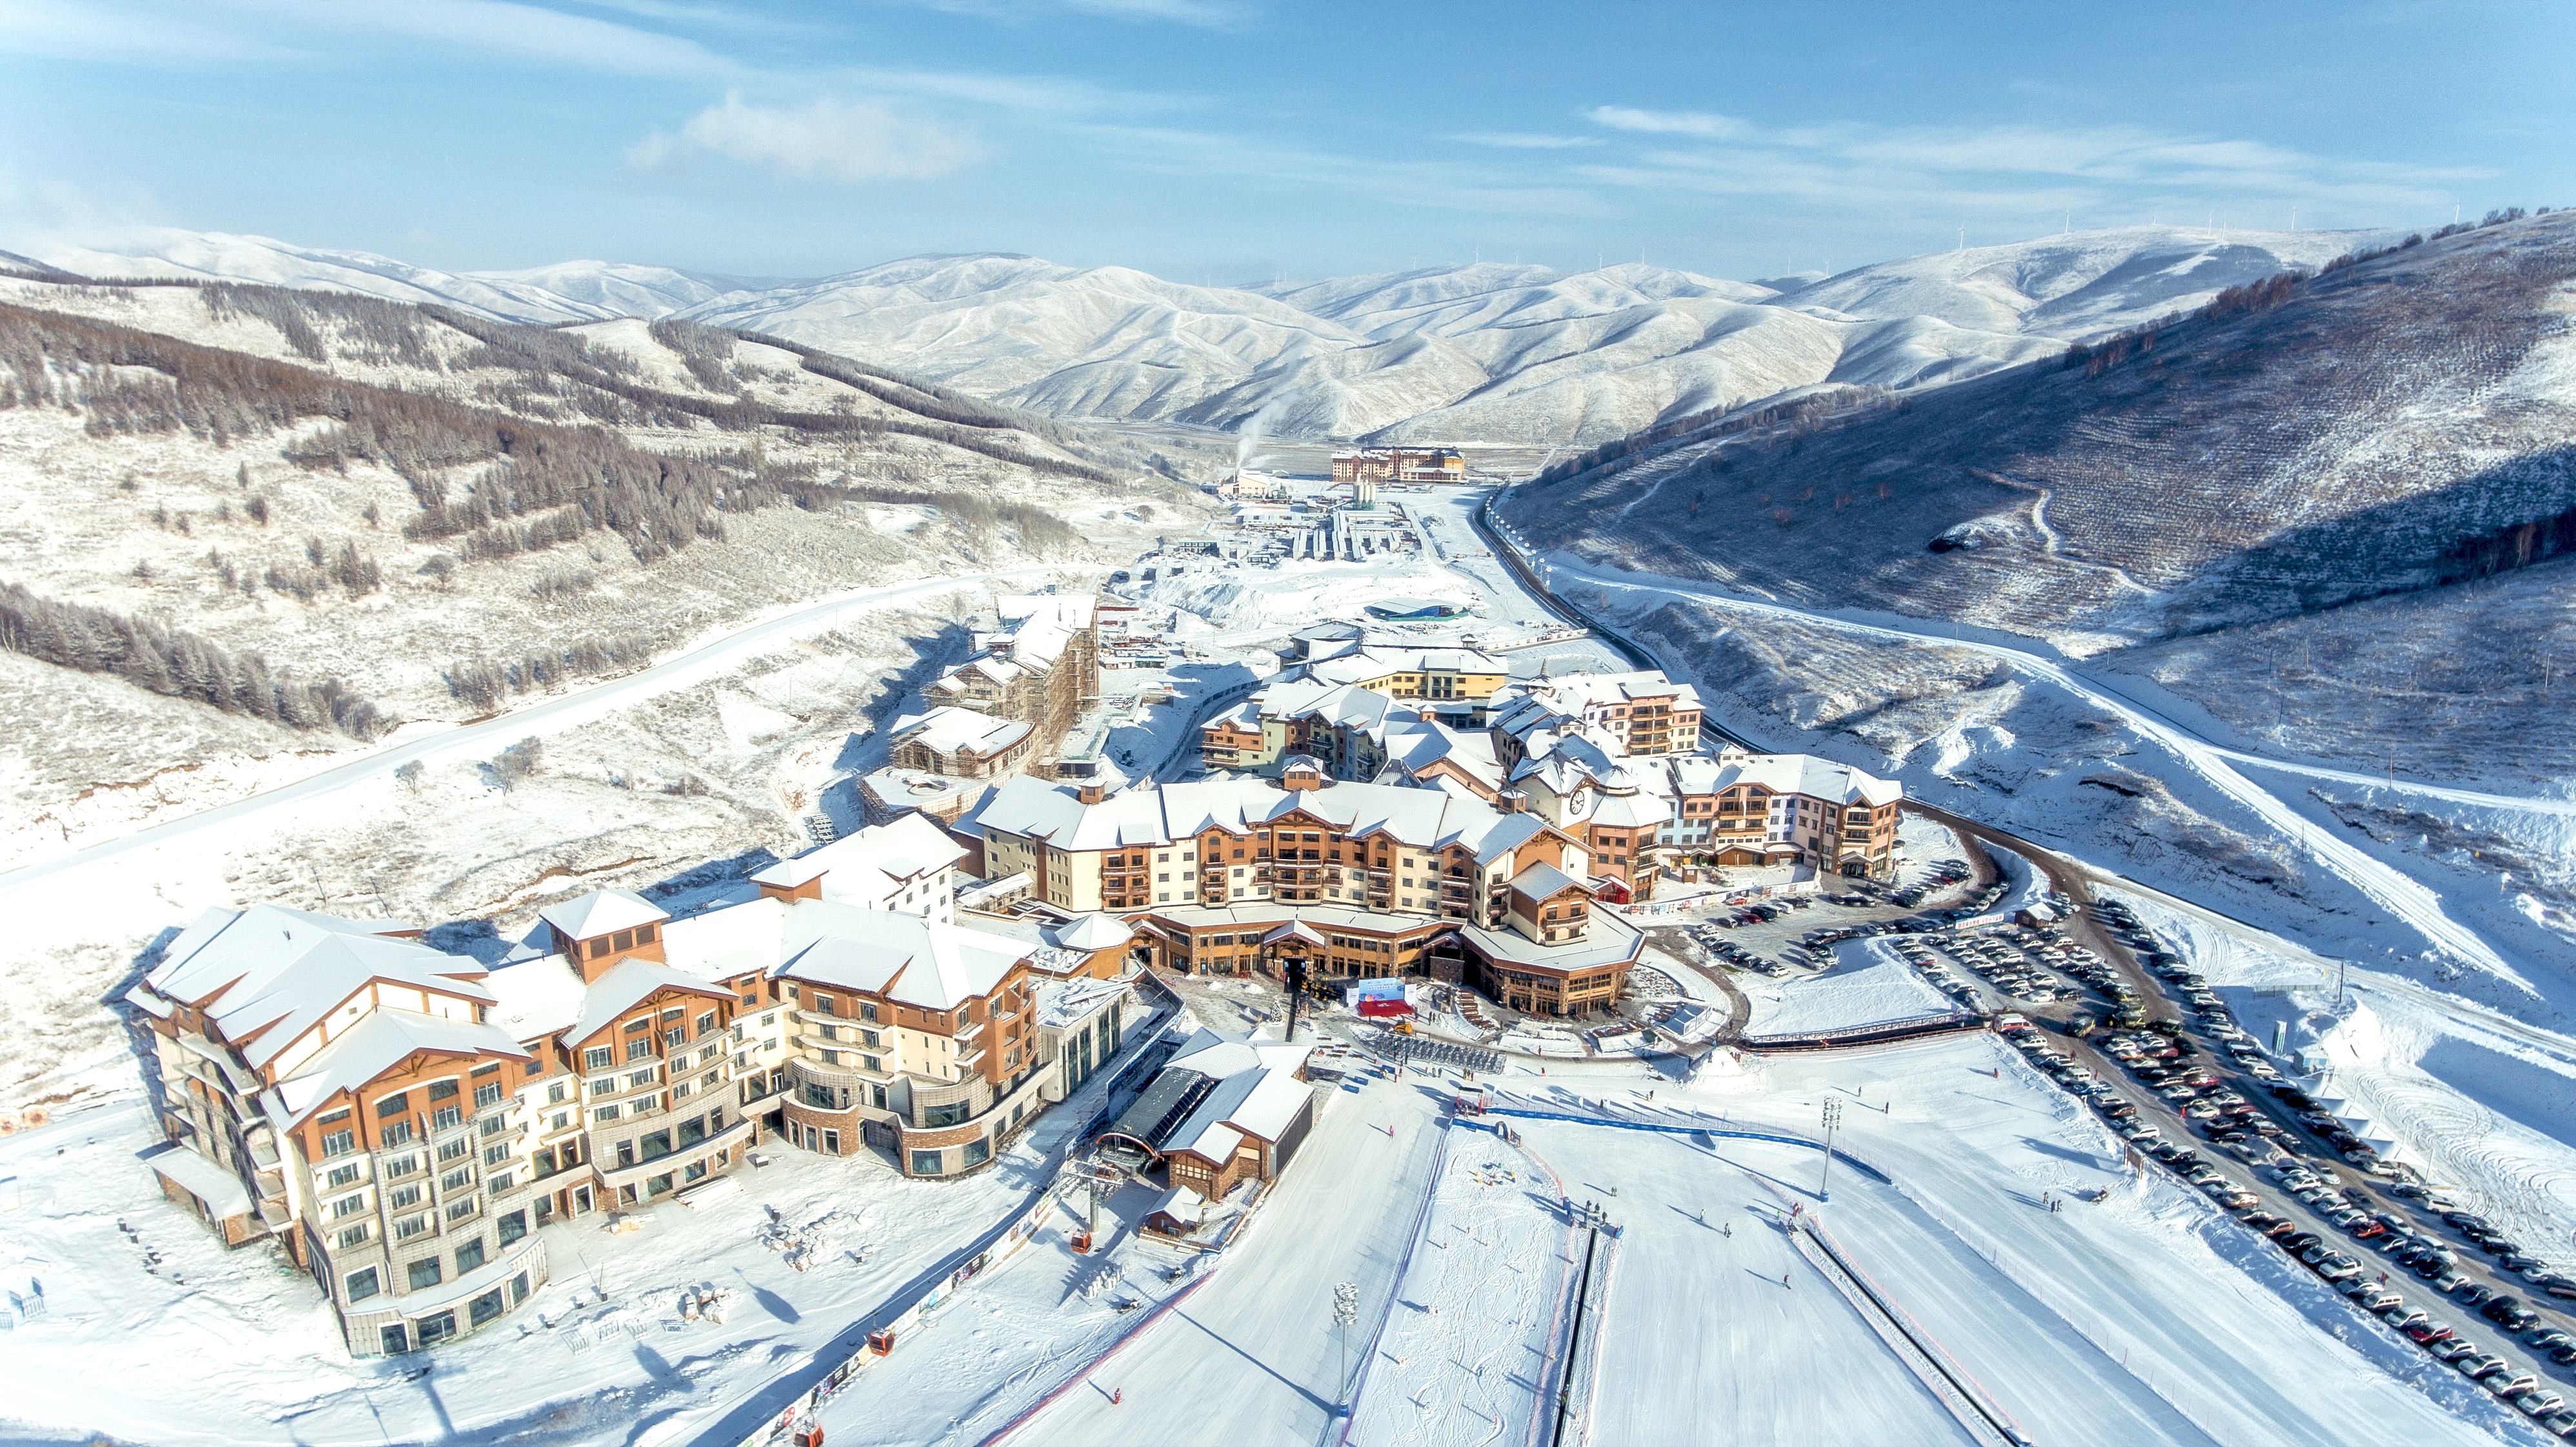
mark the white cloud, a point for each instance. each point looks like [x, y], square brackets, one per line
[1525, 140]
[2002, 168]
[830, 139]
[1671, 123]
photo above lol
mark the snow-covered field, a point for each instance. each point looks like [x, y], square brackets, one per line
[1866, 985]
[2135, 1313]
[1253, 1358]
[1469, 1351]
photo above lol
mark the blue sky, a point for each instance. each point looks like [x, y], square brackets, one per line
[1233, 140]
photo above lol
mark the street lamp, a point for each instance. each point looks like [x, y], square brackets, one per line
[1833, 1118]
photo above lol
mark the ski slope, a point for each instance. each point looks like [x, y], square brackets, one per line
[1252, 1359]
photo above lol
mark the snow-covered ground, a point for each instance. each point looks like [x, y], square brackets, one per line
[1253, 1357]
[1471, 1348]
[1866, 985]
[2135, 1313]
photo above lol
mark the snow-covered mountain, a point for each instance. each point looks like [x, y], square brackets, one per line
[1485, 352]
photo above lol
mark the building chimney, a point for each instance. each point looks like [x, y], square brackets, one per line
[1513, 801]
[1091, 791]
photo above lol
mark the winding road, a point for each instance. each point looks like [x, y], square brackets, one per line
[2403, 897]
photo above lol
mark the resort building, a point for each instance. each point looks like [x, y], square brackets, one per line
[402, 1119]
[1037, 669]
[961, 743]
[1399, 464]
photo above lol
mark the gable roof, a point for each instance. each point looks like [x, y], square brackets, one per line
[1542, 882]
[266, 974]
[871, 863]
[628, 984]
[901, 957]
[376, 1044]
[602, 911]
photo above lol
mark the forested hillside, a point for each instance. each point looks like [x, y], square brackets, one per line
[325, 514]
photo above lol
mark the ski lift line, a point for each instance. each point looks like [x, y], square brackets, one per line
[1672, 1128]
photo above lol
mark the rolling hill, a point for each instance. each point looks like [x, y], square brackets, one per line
[1482, 352]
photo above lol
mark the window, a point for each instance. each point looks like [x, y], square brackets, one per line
[499, 1182]
[426, 1273]
[623, 940]
[442, 1090]
[494, 1155]
[638, 1079]
[456, 1149]
[513, 1226]
[348, 1206]
[518, 1288]
[436, 1329]
[410, 1226]
[604, 1113]
[978, 1151]
[402, 1166]
[639, 1047]
[403, 1198]
[487, 1094]
[446, 1116]
[394, 1104]
[556, 1092]
[706, 1022]
[396, 1339]
[674, 1038]
[362, 1284]
[353, 1236]
[340, 1142]
[605, 1085]
[824, 1005]
[925, 1163]
[459, 1210]
[485, 1307]
[469, 1256]
[343, 1176]
[598, 1057]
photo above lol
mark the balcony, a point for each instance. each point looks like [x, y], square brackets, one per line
[618, 1178]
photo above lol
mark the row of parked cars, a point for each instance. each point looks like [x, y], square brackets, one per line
[1757, 912]
[2164, 1064]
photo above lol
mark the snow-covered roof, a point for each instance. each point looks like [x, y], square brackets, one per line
[1259, 1102]
[873, 863]
[1092, 932]
[630, 982]
[376, 1044]
[949, 729]
[602, 911]
[1607, 940]
[1064, 1003]
[220, 1189]
[1577, 691]
[1181, 1204]
[274, 973]
[1378, 660]
[730, 943]
[535, 998]
[1782, 774]
[1541, 882]
[1220, 1057]
[899, 957]
[1422, 818]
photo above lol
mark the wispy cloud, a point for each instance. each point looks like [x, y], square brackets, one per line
[1670, 123]
[1993, 168]
[1238, 158]
[1207, 14]
[829, 139]
[1525, 140]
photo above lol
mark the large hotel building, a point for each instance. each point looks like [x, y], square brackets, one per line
[402, 1119]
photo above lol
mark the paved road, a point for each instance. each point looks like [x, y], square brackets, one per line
[2075, 883]
[552, 715]
[2403, 896]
